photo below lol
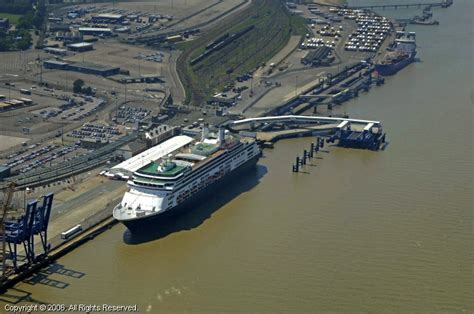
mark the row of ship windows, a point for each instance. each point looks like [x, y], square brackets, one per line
[249, 150]
[249, 154]
[195, 183]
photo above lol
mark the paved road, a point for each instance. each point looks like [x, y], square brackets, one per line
[107, 187]
[176, 87]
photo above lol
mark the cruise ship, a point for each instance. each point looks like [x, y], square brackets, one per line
[176, 181]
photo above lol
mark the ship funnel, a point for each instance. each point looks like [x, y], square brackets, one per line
[205, 131]
[221, 135]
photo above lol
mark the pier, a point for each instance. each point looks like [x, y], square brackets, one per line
[370, 137]
[307, 154]
[442, 4]
[29, 247]
[331, 90]
[300, 120]
[347, 132]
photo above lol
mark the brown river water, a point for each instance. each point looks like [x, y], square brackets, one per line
[356, 231]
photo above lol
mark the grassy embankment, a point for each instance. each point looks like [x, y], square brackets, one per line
[12, 18]
[273, 26]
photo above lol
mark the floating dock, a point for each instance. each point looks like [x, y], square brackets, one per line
[370, 137]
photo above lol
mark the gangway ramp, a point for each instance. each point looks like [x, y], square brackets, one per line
[343, 124]
[369, 127]
[300, 119]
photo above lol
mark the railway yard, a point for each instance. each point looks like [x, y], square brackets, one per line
[148, 64]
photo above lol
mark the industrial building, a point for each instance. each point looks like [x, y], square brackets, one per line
[90, 143]
[132, 149]
[68, 37]
[55, 51]
[174, 38]
[59, 27]
[144, 78]
[11, 104]
[319, 56]
[91, 68]
[4, 23]
[55, 64]
[108, 18]
[83, 67]
[94, 31]
[4, 106]
[81, 47]
[124, 29]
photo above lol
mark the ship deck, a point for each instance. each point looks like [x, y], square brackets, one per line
[152, 169]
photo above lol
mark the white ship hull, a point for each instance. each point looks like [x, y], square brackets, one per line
[144, 223]
[151, 197]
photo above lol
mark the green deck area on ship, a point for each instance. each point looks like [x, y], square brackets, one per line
[152, 169]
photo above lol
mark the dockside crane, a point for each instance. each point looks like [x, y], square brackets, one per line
[5, 207]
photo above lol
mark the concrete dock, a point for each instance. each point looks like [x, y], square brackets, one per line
[89, 204]
[273, 136]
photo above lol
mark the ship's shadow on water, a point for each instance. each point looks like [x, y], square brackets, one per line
[193, 218]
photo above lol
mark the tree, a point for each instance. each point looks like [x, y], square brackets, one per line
[87, 91]
[77, 86]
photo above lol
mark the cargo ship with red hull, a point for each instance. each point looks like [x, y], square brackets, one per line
[403, 54]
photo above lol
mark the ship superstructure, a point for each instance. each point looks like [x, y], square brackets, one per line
[175, 181]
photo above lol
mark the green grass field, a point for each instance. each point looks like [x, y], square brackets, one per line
[13, 18]
[273, 26]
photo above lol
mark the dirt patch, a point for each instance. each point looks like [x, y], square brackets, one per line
[9, 141]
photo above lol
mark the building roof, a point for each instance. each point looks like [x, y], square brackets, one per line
[134, 147]
[94, 29]
[55, 49]
[92, 66]
[109, 16]
[154, 153]
[81, 45]
[56, 62]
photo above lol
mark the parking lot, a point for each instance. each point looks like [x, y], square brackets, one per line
[95, 132]
[126, 114]
[37, 155]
